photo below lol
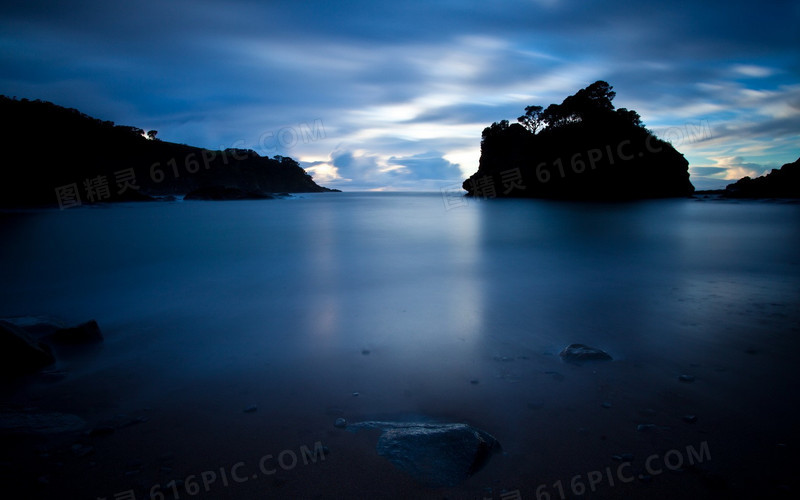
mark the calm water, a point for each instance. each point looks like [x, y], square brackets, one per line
[295, 304]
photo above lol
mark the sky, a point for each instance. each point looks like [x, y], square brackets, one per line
[371, 95]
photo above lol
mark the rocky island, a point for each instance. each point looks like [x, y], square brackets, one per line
[58, 156]
[583, 148]
[780, 183]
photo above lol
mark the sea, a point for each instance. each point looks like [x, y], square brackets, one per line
[396, 306]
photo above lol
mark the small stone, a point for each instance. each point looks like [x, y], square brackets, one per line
[647, 412]
[605, 404]
[474, 381]
[645, 427]
[80, 450]
[355, 394]
[576, 353]
[340, 423]
[686, 378]
[690, 419]
[365, 352]
[251, 409]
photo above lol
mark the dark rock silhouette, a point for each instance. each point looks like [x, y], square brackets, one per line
[20, 353]
[29, 344]
[16, 422]
[52, 154]
[434, 454]
[780, 183]
[220, 193]
[583, 148]
[85, 333]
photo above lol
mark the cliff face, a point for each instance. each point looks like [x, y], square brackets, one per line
[51, 153]
[580, 149]
[782, 183]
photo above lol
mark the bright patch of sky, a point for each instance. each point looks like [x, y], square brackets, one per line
[394, 95]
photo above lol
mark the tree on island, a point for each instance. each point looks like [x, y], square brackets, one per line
[583, 148]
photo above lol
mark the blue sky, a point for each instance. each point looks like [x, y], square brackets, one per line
[394, 95]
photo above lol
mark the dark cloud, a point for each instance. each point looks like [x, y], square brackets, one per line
[212, 73]
[431, 165]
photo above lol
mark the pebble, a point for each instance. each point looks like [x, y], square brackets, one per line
[340, 423]
[690, 419]
[355, 394]
[474, 381]
[605, 404]
[251, 409]
[686, 378]
[80, 450]
[365, 352]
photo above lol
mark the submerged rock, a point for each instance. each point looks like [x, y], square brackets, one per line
[221, 193]
[28, 422]
[576, 353]
[434, 454]
[84, 333]
[20, 353]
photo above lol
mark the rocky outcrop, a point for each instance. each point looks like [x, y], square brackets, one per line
[61, 157]
[85, 333]
[27, 344]
[221, 193]
[780, 183]
[20, 353]
[583, 148]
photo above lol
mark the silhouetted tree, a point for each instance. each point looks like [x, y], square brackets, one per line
[152, 134]
[533, 119]
[630, 116]
[580, 148]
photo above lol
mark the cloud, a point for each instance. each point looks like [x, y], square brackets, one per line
[404, 89]
[430, 165]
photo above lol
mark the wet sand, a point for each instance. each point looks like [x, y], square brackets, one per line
[548, 415]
